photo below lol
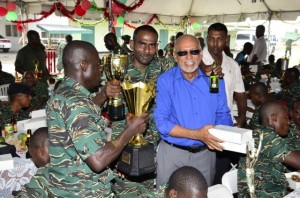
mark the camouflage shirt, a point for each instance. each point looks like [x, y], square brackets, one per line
[39, 101]
[254, 122]
[38, 185]
[75, 133]
[6, 78]
[269, 179]
[6, 114]
[292, 138]
[290, 94]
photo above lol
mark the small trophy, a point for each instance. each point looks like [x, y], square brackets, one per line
[138, 156]
[37, 72]
[114, 67]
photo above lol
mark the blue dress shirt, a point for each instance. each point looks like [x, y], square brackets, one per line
[188, 104]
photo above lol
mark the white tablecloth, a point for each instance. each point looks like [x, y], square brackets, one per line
[14, 179]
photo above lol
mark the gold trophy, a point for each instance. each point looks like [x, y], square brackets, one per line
[37, 72]
[138, 156]
[114, 68]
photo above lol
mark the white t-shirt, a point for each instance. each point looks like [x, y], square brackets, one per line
[232, 75]
[260, 49]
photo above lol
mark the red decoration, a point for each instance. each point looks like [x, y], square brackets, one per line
[192, 20]
[56, 6]
[147, 23]
[127, 8]
[85, 4]
[115, 22]
[116, 9]
[106, 14]
[3, 11]
[19, 27]
[80, 11]
[11, 6]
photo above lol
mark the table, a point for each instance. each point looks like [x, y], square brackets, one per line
[294, 194]
[14, 179]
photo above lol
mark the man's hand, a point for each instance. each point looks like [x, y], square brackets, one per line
[240, 121]
[136, 124]
[207, 69]
[112, 88]
[211, 141]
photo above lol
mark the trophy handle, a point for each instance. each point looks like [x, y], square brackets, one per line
[137, 141]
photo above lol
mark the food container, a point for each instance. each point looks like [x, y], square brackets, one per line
[292, 183]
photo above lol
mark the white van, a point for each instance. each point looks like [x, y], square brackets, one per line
[242, 37]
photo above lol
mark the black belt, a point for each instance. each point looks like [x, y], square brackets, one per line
[192, 149]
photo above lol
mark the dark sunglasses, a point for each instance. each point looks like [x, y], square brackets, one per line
[192, 52]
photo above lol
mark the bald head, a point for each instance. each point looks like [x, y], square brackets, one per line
[188, 180]
[274, 114]
[259, 89]
[74, 53]
[82, 63]
[186, 38]
[267, 109]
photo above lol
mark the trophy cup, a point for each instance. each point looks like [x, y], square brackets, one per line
[114, 67]
[138, 156]
[37, 72]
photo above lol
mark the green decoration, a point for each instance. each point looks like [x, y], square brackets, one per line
[120, 20]
[11, 16]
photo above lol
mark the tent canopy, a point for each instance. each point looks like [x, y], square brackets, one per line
[171, 11]
[63, 29]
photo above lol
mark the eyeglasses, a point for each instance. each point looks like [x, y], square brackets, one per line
[192, 52]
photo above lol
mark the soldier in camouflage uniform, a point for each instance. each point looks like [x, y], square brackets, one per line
[269, 179]
[5, 78]
[19, 97]
[38, 148]
[258, 93]
[170, 47]
[290, 86]
[294, 133]
[142, 66]
[40, 89]
[79, 152]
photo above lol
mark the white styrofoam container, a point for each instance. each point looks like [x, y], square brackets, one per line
[6, 162]
[231, 134]
[239, 148]
[293, 184]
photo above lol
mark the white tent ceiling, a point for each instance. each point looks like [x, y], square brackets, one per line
[171, 11]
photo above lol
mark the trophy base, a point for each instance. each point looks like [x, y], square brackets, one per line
[116, 113]
[137, 161]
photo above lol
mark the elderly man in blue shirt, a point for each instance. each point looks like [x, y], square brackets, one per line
[185, 111]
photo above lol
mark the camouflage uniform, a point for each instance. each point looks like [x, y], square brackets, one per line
[6, 78]
[126, 188]
[6, 114]
[254, 122]
[269, 171]
[169, 49]
[41, 91]
[290, 94]
[60, 50]
[75, 133]
[293, 141]
[38, 185]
